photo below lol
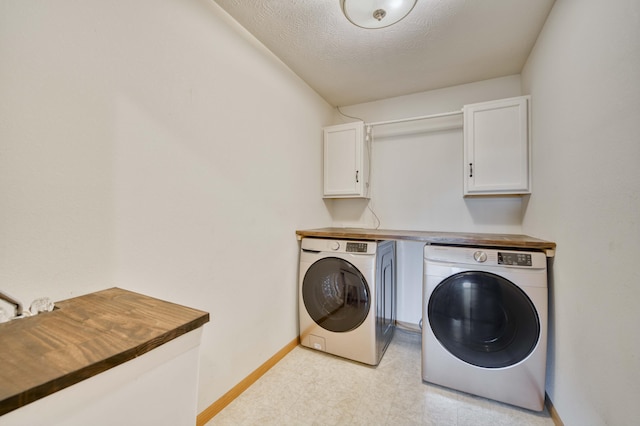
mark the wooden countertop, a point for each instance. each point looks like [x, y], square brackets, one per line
[83, 337]
[428, 237]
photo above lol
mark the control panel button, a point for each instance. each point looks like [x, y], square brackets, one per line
[335, 245]
[480, 256]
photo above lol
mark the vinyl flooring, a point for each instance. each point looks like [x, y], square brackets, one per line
[308, 387]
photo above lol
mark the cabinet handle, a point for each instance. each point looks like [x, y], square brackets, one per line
[357, 181]
[470, 169]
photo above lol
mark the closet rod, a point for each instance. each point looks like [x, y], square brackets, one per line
[402, 120]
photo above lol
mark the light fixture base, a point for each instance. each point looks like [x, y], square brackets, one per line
[372, 14]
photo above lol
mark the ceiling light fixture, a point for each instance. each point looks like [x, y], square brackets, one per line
[376, 13]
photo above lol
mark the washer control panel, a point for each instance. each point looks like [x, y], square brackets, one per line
[481, 257]
[356, 247]
[516, 259]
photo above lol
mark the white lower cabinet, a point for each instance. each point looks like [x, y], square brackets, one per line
[497, 148]
[159, 387]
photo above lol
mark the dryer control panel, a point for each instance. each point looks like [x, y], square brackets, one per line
[353, 247]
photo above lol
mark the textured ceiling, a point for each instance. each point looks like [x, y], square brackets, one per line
[441, 43]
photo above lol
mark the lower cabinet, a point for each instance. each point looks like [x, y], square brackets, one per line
[157, 388]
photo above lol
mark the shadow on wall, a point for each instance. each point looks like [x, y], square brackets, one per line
[484, 211]
[348, 212]
[507, 210]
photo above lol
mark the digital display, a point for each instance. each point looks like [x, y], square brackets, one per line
[357, 247]
[517, 259]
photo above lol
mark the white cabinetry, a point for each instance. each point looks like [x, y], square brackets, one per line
[496, 147]
[346, 161]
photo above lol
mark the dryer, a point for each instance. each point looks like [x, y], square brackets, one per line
[347, 297]
[485, 322]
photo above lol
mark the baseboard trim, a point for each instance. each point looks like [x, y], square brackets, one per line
[209, 412]
[552, 411]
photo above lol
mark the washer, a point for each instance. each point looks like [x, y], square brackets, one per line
[347, 297]
[485, 322]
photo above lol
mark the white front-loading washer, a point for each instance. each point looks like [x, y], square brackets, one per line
[347, 297]
[485, 322]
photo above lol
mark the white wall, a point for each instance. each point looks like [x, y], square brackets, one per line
[155, 146]
[417, 178]
[584, 79]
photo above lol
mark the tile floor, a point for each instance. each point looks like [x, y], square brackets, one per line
[313, 388]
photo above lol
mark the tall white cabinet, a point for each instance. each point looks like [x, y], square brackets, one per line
[497, 157]
[346, 161]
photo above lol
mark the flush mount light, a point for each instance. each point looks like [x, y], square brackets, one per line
[376, 13]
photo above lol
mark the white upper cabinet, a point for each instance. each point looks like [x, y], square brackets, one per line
[497, 148]
[346, 161]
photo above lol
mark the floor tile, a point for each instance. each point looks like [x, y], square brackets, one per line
[312, 388]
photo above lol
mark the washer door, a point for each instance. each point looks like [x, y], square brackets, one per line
[483, 319]
[336, 294]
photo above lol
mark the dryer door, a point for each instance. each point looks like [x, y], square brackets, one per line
[336, 294]
[483, 319]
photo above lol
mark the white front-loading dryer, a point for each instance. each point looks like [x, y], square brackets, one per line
[485, 322]
[347, 297]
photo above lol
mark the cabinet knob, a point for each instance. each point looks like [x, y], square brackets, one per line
[357, 181]
[470, 169]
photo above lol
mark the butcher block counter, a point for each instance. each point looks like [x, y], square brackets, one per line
[81, 338]
[515, 241]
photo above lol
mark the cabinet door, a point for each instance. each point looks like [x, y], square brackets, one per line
[344, 161]
[496, 151]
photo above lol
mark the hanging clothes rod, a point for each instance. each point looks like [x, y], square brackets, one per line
[424, 117]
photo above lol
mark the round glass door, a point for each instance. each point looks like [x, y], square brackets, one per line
[336, 294]
[483, 319]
